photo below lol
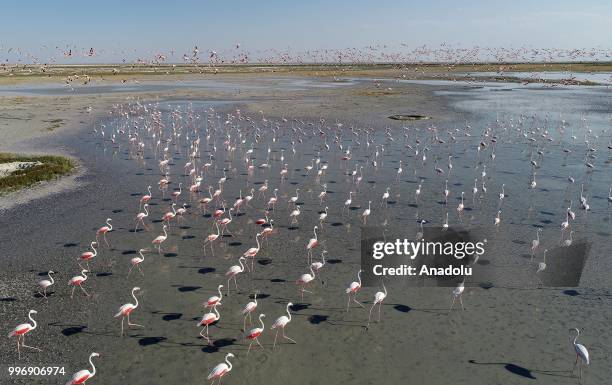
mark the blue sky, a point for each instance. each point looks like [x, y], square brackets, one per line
[130, 29]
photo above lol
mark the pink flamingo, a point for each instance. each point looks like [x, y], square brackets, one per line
[252, 252]
[205, 201]
[226, 221]
[221, 369]
[304, 280]
[127, 309]
[169, 215]
[233, 271]
[212, 301]
[176, 194]
[160, 239]
[136, 261]
[78, 280]
[353, 289]
[254, 334]
[247, 310]
[103, 230]
[273, 200]
[146, 198]
[280, 323]
[141, 216]
[21, 330]
[316, 266]
[82, 376]
[208, 319]
[211, 238]
[88, 255]
[312, 243]
[263, 221]
[266, 232]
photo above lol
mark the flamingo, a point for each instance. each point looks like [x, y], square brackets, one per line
[88, 255]
[304, 280]
[273, 200]
[127, 309]
[21, 330]
[226, 221]
[78, 280]
[233, 271]
[312, 243]
[385, 198]
[208, 319]
[581, 352]
[457, 292]
[254, 334]
[211, 238]
[160, 239]
[176, 194]
[82, 376]
[221, 369]
[267, 231]
[348, 202]
[103, 230]
[141, 216]
[316, 266]
[252, 252]
[280, 323]
[535, 243]
[294, 215]
[542, 265]
[136, 261]
[294, 198]
[353, 289]
[45, 284]
[212, 301]
[323, 216]
[366, 213]
[247, 310]
[379, 297]
[169, 215]
[145, 198]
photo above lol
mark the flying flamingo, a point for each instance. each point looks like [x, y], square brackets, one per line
[280, 323]
[254, 333]
[103, 230]
[379, 297]
[21, 330]
[125, 310]
[141, 216]
[46, 283]
[78, 280]
[88, 255]
[211, 238]
[247, 310]
[304, 280]
[160, 239]
[82, 376]
[581, 352]
[136, 261]
[233, 271]
[212, 301]
[208, 319]
[220, 370]
[252, 252]
[353, 289]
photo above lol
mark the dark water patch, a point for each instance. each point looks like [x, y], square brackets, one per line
[333, 261]
[206, 270]
[185, 289]
[277, 280]
[316, 319]
[72, 330]
[571, 293]
[107, 274]
[147, 341]
[264, 262]
[170, 255]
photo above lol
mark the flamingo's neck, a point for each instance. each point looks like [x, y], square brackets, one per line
[94, 249]
[288, 313]
[359, 277]
[228, 363]
[93, 367]
[51, 278]
[135, 299]
[33, 321]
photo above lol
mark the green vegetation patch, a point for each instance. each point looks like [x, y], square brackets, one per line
[50, 167]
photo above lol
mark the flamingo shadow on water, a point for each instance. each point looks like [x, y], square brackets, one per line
[525, 372]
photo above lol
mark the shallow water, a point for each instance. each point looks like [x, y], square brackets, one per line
[513, 330]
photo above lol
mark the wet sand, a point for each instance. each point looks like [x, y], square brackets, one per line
[510, 334]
